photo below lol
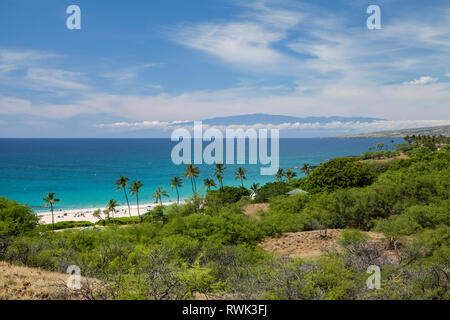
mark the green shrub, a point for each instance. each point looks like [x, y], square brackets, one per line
[15, 220]
[66, 225]
[272, 189]
[351, 236]
[338, 173]
[118, 221]
[226, 195]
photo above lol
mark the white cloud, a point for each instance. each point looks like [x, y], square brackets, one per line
[394, 102]
[421, 81]
[128, 73]
[248, 42]
[244, 44]
[24, 57]
[141, 125]
[37, 75]
[335, 125]
[54, 78]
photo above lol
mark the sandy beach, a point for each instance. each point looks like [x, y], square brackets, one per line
[87, 213]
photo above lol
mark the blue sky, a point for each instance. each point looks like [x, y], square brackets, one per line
[143, 64]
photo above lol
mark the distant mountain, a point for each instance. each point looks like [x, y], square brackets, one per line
[429, 131]
[307, 126]
[262, 118]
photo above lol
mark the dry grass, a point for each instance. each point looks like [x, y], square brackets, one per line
[252, 209]
[24, 283]
[309, 244]
[401, 156]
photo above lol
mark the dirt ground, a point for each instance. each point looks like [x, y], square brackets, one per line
[308, 244]
[252, 209]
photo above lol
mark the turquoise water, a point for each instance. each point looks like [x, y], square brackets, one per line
[82, 171]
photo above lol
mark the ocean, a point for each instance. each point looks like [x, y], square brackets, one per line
[82, 172]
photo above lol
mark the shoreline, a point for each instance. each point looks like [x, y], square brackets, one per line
[86, 214]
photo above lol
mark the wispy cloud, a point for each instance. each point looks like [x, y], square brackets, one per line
[127, 73]
[421, 81]
[37, 75]
[54, 78]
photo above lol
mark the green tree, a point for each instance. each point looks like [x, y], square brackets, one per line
[254, 188]
[159, 193]
[380, 146]
[290, 174]
[134, 189]
[219, 178]
[98, 214]
[280, 175]
[209, 183]
[306, 169]
[339, 173]
[15, 220]
[50, 200]
[176, 182]
[219, 173]
[122, 183]
[111, 207]
[241, 175]
[192, 172]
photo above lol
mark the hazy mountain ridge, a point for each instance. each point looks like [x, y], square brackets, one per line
[429, 131]
[263, 118]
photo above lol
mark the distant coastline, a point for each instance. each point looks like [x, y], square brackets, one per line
[429, 131]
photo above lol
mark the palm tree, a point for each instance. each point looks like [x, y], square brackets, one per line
[219, 173]
[112, 204]
[159, 193]
[191, 172]
[208, 184]
[219, 178]
[280, 174]
[254, 188]
[176, 182]
[50, 200]
[290, 174]
[306, 169]
[134, 189]
[122, 183]
[240, 175]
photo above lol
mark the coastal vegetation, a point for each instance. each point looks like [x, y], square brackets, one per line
[208, 247]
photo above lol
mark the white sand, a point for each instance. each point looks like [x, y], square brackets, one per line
[86, 214]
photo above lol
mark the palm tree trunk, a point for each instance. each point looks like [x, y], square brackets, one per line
[128, 203]
[192, 183]
[178, 196]
[242, 182]
[53, 218]
[137, 201]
